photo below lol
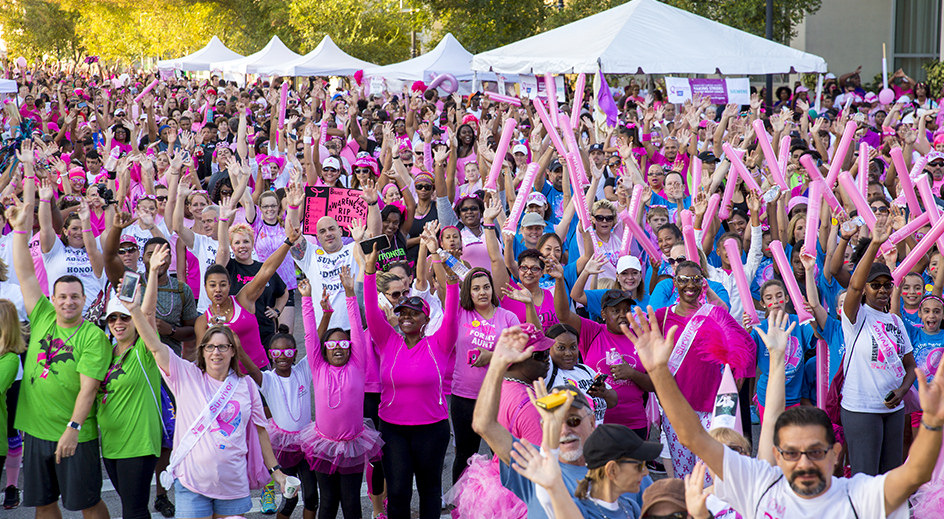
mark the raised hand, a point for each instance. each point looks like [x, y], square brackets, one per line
[596, 263]
[492, 210]
[777, 334]
[653, 348]
[347, 280]
[522, 295]
[695, 493]
[304, 287]
[511, 347]
[159, 256]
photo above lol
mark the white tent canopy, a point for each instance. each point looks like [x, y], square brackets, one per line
[327, 59]
[274, 52]
[200, 60]
[449, 57]
[646, 36]
[8, 86]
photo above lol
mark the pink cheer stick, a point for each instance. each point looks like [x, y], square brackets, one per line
[696, 177]
[784, 159]
[812, 217]
[571, 140]
[283, 103]
[627, 240]
[862, 178]
[907, 182]
[807, 162]
[862, 206]
[930, 207]
[918, 167]
[744, 288]
[551, 129]
[550, 88]
[527, 184]
[688, 232]
[507, 133]
[922, 248]
[725, 210]
[579, 198]
[903, 233]
[836, 164]
[786, 272]
[738, 165]
[514, 101]
[635, 202]
[772, 164]
[822, 373]
[578, 99]
[147, 89]
[644, 241]
[713, 202]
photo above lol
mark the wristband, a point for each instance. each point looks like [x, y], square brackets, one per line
[372, 203]
[646, 137]
[293, 207]
[19, 232]
[288, 242]
[44, 200]
[86, 230]
[331, 311]
[274, 468]
[224, 219]
[488, 225]
[307, 139]
[29, 178]
[939, 428]
[834, 221]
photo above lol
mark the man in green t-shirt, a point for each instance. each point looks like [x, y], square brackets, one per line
[66, 361]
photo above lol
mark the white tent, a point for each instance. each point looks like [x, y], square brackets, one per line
[213, 52]
[8, 86]
[274, 52]
[327, 59]
[449, 57]
[646, 36]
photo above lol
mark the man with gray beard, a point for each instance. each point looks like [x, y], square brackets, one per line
[576, 429]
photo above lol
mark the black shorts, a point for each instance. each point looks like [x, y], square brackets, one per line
[291, 297]
[77, 478]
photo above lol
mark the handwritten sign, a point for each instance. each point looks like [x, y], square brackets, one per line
[344, 205]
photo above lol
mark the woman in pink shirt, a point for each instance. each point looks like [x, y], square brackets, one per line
[413, 416]
[221, 447]
[481, 321]
[342, 443]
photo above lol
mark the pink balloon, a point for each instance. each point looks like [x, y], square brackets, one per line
[886, 96]
[21, 62]
[447, 82]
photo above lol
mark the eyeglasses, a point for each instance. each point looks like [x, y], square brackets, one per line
[468, 208]
[424, 187]
[288, 354]
[604, 217]
[812, 454]
[533, 269]
[363, 170]
[675, 261]
[333, 345]
[640, 465]
[689, 280]
[127, 250]
[574, 421]
[161, 198]
[880, 210]
[329, 169]
[878, 286]
[118, 317]
[217, 347]
[396, 295]
[269, 206]
[541, 356]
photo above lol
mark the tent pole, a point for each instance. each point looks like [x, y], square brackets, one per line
[768, 99]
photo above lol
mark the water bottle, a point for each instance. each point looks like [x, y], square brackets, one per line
[453, 263]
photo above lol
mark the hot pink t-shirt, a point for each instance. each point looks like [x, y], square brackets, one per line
[476, 332]
[216, 467]
[545, 311]
[412, 380]
[474, 250]
[595, 341]
[339, 405]
[517, 414]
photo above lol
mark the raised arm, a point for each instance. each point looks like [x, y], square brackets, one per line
[248, 294]
[562, 302]
[857, 283]
[775, 339]
[148, 334]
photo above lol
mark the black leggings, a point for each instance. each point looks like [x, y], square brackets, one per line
[309, 489]
[132, 480]
[343, 489]
[414, 450]
[467, 441]
[371, 406]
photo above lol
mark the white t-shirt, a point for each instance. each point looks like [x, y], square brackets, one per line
[582, 376]
[757, 490]
[6, 255]
[869, 376]
[141, 236]
[289, 398]
[204, 248]
[323, 270]
[13, 292]
[61, 261]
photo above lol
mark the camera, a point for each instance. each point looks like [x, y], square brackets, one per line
[107, 195]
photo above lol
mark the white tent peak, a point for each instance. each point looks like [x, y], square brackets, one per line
[650, 37]
[274, 52]
[214, 51]
[448, 57]
[327, 59]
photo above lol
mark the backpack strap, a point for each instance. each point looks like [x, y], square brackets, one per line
[757, 506]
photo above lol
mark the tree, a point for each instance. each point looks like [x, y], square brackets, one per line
[37, 28]
[481, 25]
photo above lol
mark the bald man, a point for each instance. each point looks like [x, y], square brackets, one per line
[321, 261]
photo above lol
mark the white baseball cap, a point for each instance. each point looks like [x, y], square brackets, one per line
[519, 148]
[628, 262]
[532, 219]
[536, 198]
[331, 162]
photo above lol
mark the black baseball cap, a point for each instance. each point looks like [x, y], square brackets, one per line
[580, 399]
[596, 147]
[615, 297]
[610, 441]
[708, 157]
[878, 270]
[555, 165]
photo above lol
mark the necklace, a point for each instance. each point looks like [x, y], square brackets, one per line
[53, 352]
[219, 317]
[157, 309]
[288, 406]
[518, 380]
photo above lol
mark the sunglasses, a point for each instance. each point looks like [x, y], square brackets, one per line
[333, 345]
[424, 187]
[127, 250]
[468, 208]
[640, 465]
[396, 295]
[269, 206]
[329, 169]
[217, 347]
[574, 421]
[878, 286]
[689, 280]
[880, 210]
[812, 454]
[288, 354]
[676, 515]
[675, 261]
[541, 356]
[363, 170]
[161, 198]
[118, 317]
[604, 218]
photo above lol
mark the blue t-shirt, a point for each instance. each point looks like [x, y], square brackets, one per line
[911, 318]
[828, 292]
[665, 294]
[764, 273]
[808, 387]
[927, 350]
[832, 334]
[801, 340]
[555, 199]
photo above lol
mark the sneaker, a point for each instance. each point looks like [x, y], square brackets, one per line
[11, 497]
[755, 416]
[655, 467]
[164, 506]
[268, 499]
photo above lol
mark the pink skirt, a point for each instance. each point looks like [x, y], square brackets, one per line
[286, 444]
[479, 493]
[328, 456]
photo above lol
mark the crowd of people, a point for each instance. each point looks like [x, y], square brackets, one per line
[610, 308]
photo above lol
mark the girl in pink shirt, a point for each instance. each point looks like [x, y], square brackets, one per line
[413, 415]
[341, 443]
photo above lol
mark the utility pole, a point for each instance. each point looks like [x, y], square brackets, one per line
[768, 99]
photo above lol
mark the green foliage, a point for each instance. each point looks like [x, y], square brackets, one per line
[935, 81]
[34, 28]
[480, 25]
[750, 15]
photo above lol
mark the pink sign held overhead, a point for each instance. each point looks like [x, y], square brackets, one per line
[344, 205]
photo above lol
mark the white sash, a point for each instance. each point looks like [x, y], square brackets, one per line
[200, 426]
[888, 349]
[684, 343]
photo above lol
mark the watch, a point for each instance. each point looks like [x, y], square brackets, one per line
[75, 425]
[274, 468]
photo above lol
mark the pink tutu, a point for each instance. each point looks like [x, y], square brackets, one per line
[328, 456]
[285, 444]
[479, 493]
